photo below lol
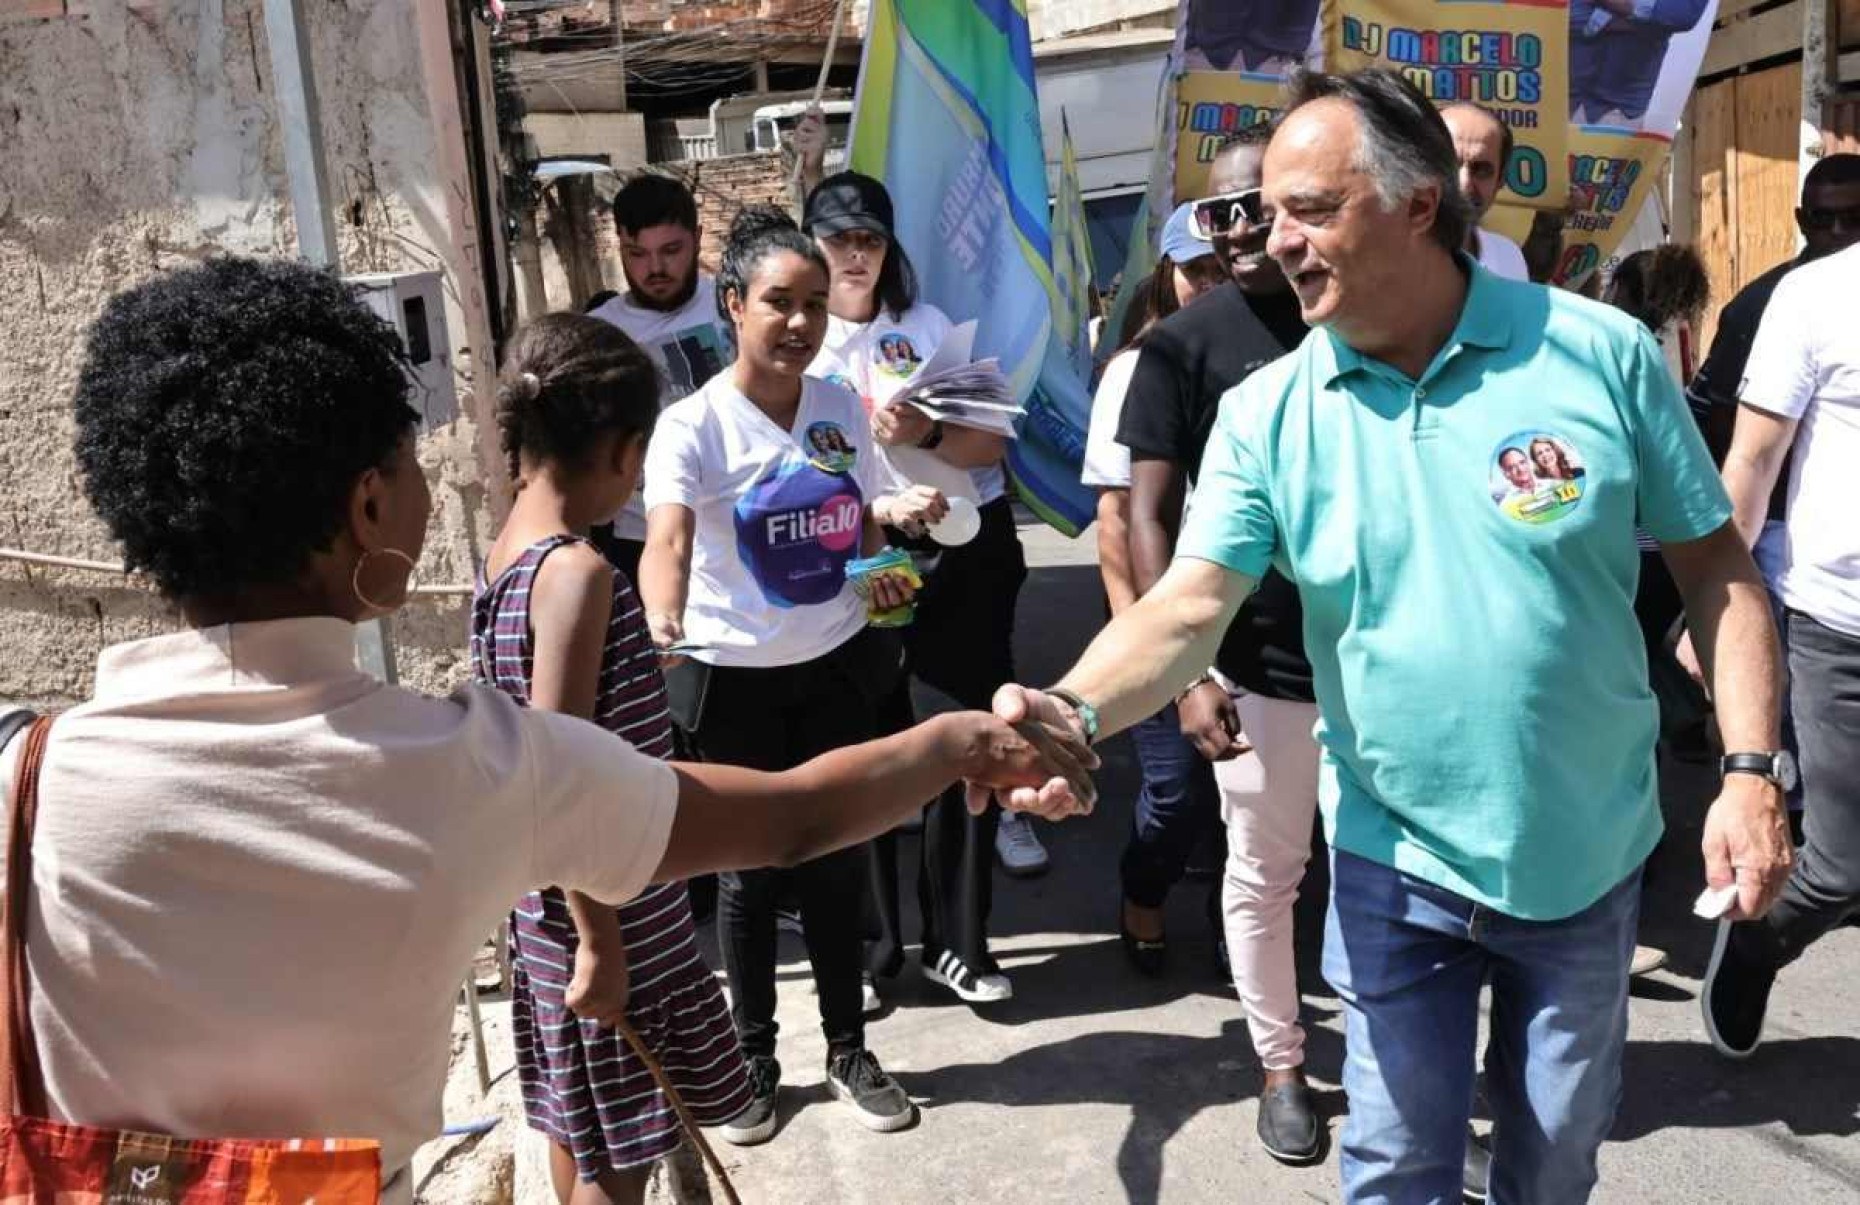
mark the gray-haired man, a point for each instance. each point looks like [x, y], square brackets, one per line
[1488, 732]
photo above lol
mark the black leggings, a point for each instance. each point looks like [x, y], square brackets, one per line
[775, 719]
[961, 643]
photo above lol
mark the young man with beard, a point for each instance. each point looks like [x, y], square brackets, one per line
[669, 309]
[1260, 681]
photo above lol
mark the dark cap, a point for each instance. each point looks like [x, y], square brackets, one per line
[848, 201]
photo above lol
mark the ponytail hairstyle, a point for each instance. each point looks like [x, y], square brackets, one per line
[569, 379]
[758, 232]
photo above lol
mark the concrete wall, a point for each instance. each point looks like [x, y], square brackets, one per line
[619, 136]
[133, 141]
[1053, 18]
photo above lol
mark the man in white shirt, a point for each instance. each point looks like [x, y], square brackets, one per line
[669, 309]
[1802, 386]
[1482, 141]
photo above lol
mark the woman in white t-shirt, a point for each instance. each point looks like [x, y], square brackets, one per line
[961, 642]
[259, 874]
[760, 488]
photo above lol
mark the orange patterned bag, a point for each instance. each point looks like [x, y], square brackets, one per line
[44, 1162]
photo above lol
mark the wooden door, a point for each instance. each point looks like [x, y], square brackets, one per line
[1745, 150]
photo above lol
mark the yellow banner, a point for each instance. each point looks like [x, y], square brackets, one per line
[1209, 105]
[1511, 58]
[1610, 178]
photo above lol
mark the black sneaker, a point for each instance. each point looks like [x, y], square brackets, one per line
[1288, 1128]
[1736, 992]
[971, 985]
[1476, 1172]
[875, 1098]
[756, 1123]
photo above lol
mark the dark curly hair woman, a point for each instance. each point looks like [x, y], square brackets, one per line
[258, 874]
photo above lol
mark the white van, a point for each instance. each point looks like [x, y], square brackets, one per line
[773, 124]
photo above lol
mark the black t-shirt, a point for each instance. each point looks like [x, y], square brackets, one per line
[1721, 375]
[1188, 361]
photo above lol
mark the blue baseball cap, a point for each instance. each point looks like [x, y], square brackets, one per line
[1179, 240]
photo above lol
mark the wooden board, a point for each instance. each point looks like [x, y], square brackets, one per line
[1847, 24]
[1769, 153]
[1749, 39]
[1840, 127]
[1712, 192]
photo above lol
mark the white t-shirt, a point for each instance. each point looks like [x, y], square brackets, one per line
[777, 518]
[1805, 365]
[1501, 256]
[260, 874]
[690, 344]
[1107, 462]
[876, 359]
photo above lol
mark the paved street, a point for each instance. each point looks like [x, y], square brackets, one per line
[1095, 1085]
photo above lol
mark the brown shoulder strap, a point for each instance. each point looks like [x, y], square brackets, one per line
[21, 1078]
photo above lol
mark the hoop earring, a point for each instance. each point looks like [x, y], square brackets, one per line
[355, 579]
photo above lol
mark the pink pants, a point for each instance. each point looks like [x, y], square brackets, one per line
[1268, 801]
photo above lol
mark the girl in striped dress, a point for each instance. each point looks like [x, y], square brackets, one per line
[556, 626]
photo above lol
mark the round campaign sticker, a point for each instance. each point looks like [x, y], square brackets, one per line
[829, 450]
[795, 531]
[1537, 477]
[897, 355]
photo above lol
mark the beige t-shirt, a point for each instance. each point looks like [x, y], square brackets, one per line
[260, 875]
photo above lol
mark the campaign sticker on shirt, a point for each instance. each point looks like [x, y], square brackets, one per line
[897, 355]
[828, 448]
[1537, 477]
[796, 529]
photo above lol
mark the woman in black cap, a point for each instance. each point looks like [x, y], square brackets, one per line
[878, 336]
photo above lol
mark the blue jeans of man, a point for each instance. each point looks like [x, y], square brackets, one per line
[1408, 959]
[1178, 807]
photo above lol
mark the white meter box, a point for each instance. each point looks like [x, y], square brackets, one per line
[413, 303]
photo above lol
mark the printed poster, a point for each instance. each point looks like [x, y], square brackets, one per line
[1233, 57]
[1630, 76]
[1509, 56]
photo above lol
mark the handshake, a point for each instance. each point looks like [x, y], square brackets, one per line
[1030, 754]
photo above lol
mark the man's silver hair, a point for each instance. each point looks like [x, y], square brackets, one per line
[1404, 146]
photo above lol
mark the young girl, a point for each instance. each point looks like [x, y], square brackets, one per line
[753, 514]
[557, 627]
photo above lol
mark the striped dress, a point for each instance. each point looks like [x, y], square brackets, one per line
[583, 1086]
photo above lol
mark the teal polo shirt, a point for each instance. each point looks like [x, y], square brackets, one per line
[1464, 548]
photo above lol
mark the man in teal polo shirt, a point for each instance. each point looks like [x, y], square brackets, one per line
[1488, 731]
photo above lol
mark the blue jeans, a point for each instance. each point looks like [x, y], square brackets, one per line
[1408, 959]
[1177, 807]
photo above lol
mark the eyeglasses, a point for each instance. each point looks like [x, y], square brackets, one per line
[1228, 213]
[1828, 219]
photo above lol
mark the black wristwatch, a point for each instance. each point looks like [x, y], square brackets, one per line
[929, 442]
[1779, 768]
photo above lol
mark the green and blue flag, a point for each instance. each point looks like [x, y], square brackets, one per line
[948, 118]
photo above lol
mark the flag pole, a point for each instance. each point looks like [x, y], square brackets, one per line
[820, 83]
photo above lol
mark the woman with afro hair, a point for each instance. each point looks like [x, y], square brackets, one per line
[259, 874]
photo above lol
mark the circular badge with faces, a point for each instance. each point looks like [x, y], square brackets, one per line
[1537, 477]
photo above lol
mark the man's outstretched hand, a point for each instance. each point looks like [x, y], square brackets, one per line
[1048, 727]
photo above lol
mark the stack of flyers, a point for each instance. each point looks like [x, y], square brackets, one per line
[952, 389]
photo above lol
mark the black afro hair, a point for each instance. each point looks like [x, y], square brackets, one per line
[224, 412]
